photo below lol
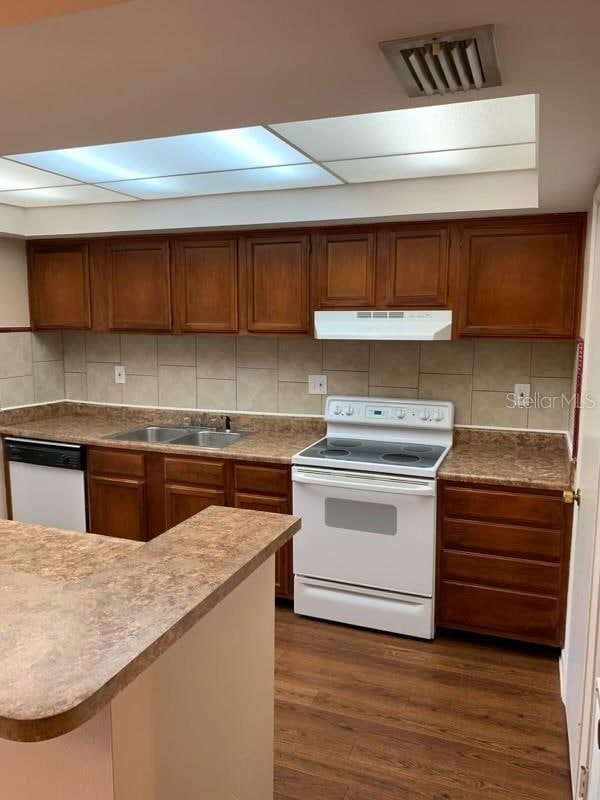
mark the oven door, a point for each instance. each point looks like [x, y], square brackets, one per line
[365, 529]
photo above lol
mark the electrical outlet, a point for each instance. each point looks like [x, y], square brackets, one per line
[317, 384]
[120, 375]
[522, 394]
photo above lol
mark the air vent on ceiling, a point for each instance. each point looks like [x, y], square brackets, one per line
[441, 63]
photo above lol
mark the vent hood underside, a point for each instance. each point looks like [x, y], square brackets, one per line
[384, 325]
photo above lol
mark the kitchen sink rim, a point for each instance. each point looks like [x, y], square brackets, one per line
[178, 435]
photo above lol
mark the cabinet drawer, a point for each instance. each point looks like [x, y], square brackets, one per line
[534, 510]
[502, 540]
[497, 571]
[116, 462]
[501, 612]
[256, 478]
[195, 470]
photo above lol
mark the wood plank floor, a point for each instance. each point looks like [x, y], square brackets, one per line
[371, 716]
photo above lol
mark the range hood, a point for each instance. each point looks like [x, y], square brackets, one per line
[390, 325]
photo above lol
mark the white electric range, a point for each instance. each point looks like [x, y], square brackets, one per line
[367, 497]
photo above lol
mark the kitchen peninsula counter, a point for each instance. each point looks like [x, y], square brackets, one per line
[91, 623]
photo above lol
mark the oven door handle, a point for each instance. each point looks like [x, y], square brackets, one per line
[399, 487]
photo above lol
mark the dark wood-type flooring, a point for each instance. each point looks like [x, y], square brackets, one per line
[371, 716]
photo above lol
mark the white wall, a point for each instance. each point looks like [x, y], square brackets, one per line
[14, 307]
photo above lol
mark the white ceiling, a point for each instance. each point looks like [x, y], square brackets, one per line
[472, 137]
[152, 69]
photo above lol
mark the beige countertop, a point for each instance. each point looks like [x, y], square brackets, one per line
[83, 615]
[509, 458]
[268, 439]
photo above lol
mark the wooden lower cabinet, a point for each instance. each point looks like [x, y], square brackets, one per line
[135, 495]
[117, 493]
[182, 502]
[268, 487]
[503, 561]
[284, 571]
[118, 507]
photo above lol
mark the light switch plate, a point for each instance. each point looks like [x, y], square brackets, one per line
[120, 375]
[522, 394]
[317, 384]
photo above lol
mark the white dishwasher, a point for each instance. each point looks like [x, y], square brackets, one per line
[47, 483]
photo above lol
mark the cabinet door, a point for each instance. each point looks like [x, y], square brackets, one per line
[59, 287]
[118, 507]
[345, 270]
[520, 279]
[284, 558]
[206, 286]
[138, 282]
[276, 282]
[413, 266]
[182, 502]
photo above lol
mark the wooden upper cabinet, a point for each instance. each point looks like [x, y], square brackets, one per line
[206, 286]
[520, 278]
[276, 284]
[413, 266]
[345, 270]
[59, 287]
[138, 283]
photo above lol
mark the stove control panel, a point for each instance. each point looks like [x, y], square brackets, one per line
[390, 412]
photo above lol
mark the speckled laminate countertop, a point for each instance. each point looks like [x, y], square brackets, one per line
[509, 458]
[268, 439]
[83, 615]
[512, 458]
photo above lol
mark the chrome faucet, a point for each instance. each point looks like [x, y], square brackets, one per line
[211, 421]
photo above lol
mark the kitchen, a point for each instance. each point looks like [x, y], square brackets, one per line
[383, 353]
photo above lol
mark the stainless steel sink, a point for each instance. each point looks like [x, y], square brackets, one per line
[209, 438]
[194, 436]
[150, 433]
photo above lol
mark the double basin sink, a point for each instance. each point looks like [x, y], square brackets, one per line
[186, 436]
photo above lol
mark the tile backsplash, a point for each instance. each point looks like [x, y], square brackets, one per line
[31, 368]
[269, 374]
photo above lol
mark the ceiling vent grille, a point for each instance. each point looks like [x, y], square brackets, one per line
[445, 63]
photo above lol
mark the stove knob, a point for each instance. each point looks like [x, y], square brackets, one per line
[437, 415]
[349, 411]
[337, 410]
[424, 415]
[401, 413]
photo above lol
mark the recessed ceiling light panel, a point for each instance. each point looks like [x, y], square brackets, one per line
[20, 176]
[62, 196]
[455, 126]
[443, 162]
[249, 180]
[239, 148]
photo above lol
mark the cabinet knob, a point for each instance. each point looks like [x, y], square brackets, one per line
[572, 496]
